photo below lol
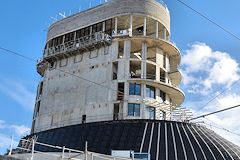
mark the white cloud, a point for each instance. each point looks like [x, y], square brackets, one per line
[206, 73]
[203, 68]
[228, 120]
[5, 142]
[18, 92]
[21, 130]
[7, 130]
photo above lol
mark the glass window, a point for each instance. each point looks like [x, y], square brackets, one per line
[150, 112]
[150, 92]
[135, 89]
[134, 109]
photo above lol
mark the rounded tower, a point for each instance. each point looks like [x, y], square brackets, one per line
[110, 78]
[111, 62]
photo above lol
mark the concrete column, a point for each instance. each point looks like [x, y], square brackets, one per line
[131, 26]
[90, 29]
[104, 26]
[116, 24]
[145, 27]
[157, 29]
[126, 56]
[165, 33]
[74, 36]
[144, 57]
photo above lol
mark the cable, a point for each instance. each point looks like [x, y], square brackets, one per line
[18, 54]
[205, 115]
[221, 128]
[210, 20]
[235, 83]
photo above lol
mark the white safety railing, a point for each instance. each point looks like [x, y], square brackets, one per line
[64, 152]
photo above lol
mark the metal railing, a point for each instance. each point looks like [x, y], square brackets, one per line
[80, 43]
[64, 152]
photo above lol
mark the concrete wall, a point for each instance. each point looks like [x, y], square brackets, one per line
[114, 8]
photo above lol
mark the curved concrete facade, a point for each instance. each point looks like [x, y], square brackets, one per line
[111, 62]
[109, 10]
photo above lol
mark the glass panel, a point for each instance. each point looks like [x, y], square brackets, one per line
[150, 92]
[134, 89]
[150, 112]
[138, 89]
[134, 109]
[137, 110]
[131, 109]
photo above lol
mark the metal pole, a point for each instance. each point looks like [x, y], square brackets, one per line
[10, 152]
[63, 152]
[86, 148]
[33, 145]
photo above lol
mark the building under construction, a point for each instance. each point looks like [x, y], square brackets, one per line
[110, 78]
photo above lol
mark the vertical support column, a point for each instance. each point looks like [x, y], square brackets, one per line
[145, 27]
[144, 57]
[157, 29]
[104, 26]
[116, 24]
[126, 56]
[90, 30]
[165, 33]
[74, 36]
[131, 26]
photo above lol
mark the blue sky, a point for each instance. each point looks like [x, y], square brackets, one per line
[213, 54]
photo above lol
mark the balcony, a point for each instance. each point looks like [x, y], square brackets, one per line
[86, 43]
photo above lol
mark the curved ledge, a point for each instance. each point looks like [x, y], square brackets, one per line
[109, 10]
[169, 47]
[176, 77]
[174, 93]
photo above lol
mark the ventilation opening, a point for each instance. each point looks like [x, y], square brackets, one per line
[163, 96]
[84, 118]
[120, 49]
[120, 96]
[115, 70]
[162, 76]
[116, 112]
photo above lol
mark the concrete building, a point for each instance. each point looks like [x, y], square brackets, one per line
[111, 62]
[110, 78]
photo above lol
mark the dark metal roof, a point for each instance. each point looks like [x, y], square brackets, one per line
[164, 140]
